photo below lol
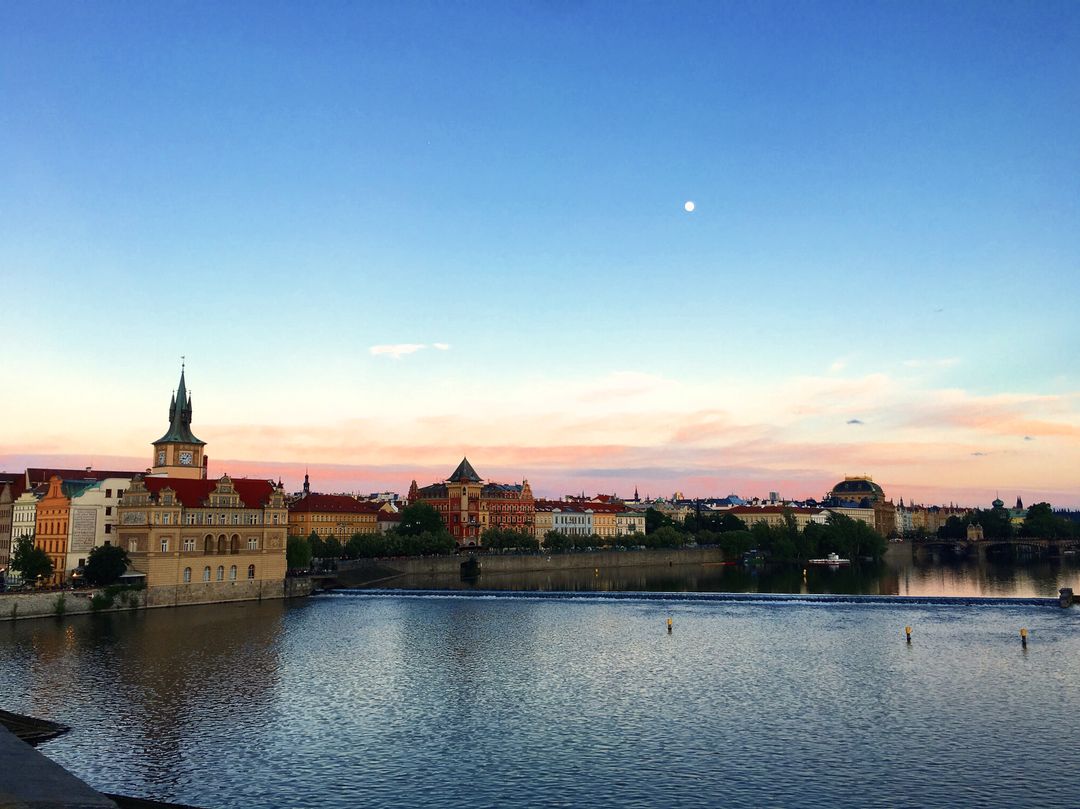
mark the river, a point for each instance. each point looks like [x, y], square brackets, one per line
[398, 699]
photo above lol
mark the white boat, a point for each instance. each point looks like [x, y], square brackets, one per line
[830, 559]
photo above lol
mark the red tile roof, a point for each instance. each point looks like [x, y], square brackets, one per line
[335, 503]
[770, 510]
[254, 493]
[36, 475]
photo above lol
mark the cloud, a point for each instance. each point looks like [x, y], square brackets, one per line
[396, 350]
[855, 421]
[441, 346]
[979, 454]
[1028, 438]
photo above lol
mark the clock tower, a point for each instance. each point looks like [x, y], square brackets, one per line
[178, 453]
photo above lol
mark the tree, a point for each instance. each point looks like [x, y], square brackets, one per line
[318, 547]
[297, 553]
[31, 562]
[655, 520]
[418, 518]
[105, 565]
[332, 548]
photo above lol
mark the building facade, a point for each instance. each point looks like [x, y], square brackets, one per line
[197, 539]
[332, 515]
[468, 506]
[93, 518]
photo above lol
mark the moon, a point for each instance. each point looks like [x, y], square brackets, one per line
[688, 206]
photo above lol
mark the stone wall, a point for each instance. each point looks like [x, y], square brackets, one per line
[524, 563]
[41, 605]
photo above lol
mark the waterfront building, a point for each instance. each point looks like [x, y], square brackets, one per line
[855, 491]
[629, 521]
[24, 514]
[775, 516]
[40, 476]
[388, 520]
[469, 506]
[864, 515]
[8, 494]
[572, 519]
[332, 515]
[196, 539]
[93, 517]
[542, 518]
[52, 523]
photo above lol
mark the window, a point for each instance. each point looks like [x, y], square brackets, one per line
[275, 519]
[221, 519]
[166, 518]
[133, 546]
[108, 493]
[108, 528]
[234, 545]
[119, 492]
[251, 571]
[164, 544]
[221, 572]
[235, 519]
[253, 543]
[187, 575]
[206, 573]
[208, 544]
[190, 518]
[232, 573]
[253, 519]
[189, 543]
[108, 511]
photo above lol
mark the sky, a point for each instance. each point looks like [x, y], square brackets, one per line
[387, 235]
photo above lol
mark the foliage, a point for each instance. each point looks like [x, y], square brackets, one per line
[713, 523]
[1041, 522]
[655, 520]
[297, 553]
[30, 561]
[395, 543]
[105, 565]
[318, 547]
[995, 523]
[498, 539]
[420, 518]
[332, 548]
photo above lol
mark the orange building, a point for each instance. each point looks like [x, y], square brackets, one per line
[332, 515]
[469, 506]
[51, 526]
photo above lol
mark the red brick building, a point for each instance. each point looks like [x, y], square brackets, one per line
[469, 506]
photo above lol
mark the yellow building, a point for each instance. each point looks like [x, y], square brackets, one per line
[198, 540]
[332, 515]
[775, 516]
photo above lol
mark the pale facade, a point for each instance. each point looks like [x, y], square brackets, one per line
[24, 516]
[542, 521]
[630, 522]
[572, 520]
[93, 519]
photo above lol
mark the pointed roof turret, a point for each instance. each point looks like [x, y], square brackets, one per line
[464, 473]
[180, 418]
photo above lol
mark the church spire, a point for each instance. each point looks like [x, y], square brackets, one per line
[180, 417]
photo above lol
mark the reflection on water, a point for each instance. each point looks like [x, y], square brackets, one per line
[403, 700]
[902, 572]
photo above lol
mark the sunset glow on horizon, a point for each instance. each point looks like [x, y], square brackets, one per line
[386, 237]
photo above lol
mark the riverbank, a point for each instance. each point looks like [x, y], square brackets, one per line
[62, 603]
[366, 572]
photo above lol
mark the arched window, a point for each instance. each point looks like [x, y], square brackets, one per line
[206, 573]
[232, 573]
[187, 575]
[221, 547]
[208, 544]
[235, 545]
[221, 572]
[251, 571]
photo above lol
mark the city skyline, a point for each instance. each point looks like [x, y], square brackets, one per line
[388, 237]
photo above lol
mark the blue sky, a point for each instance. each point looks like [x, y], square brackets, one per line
[272, 188]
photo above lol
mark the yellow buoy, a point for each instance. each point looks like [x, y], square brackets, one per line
[669, 626]
[1023, 637]
[907, 631]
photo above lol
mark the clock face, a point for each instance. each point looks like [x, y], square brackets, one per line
[185, 459]
[161, 457]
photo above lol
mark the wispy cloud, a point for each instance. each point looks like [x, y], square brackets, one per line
[979, 454]
[396, 350]
[441, 346]
[855, 421]
[1028, 438]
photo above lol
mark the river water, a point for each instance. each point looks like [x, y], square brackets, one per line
[904, 572]
[451, 699]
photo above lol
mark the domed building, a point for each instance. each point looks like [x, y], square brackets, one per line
[860, 490]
